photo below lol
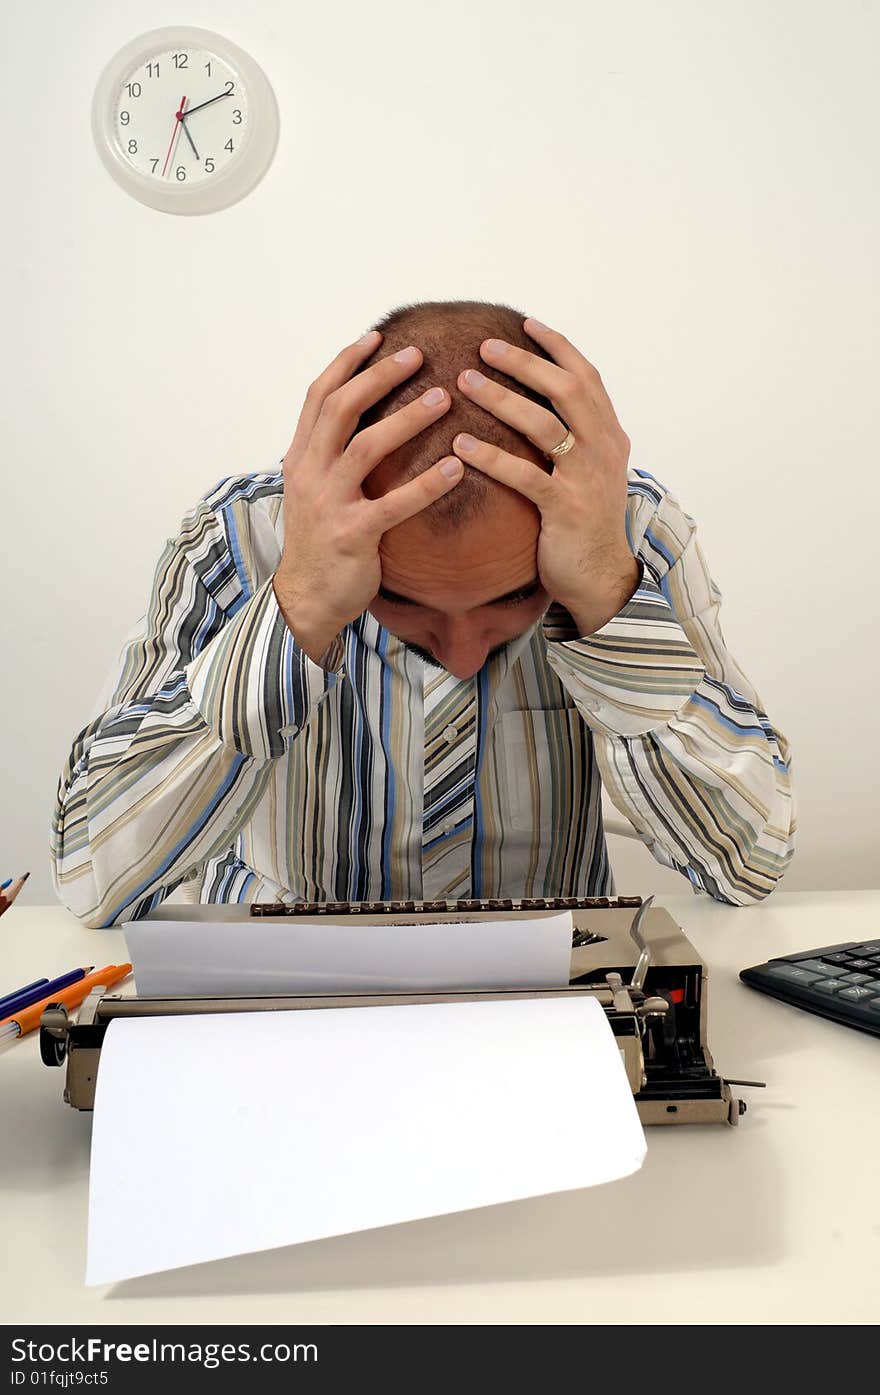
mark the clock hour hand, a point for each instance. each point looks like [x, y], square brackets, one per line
[219, 96]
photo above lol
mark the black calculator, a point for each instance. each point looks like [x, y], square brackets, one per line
[841, 982]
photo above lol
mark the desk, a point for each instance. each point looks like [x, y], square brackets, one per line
[775, 1221]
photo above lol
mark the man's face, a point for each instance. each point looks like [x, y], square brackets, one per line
[456, 595]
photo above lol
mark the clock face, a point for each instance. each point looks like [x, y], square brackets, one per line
[181, 115]
[184, 120]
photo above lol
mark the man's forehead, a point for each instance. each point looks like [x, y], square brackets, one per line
[488, 556]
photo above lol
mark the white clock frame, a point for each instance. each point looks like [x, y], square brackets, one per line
[239, 176]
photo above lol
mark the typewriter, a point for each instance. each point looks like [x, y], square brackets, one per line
[626, 952]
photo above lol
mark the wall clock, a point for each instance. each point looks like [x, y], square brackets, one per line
[184, 120]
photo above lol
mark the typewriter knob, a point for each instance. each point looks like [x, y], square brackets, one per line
[53, 1034]
[655, 1007]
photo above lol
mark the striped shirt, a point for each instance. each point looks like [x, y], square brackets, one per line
[222, 757]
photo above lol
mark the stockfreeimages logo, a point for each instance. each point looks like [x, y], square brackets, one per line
[94, 1351]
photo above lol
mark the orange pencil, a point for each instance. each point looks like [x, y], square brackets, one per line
[27, 1020]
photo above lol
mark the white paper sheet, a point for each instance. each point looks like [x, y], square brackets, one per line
[219, 1135]
[213, 954]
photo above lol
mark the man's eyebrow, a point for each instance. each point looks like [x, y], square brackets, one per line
[522, 593]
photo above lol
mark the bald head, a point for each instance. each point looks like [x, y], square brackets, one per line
[449, 334]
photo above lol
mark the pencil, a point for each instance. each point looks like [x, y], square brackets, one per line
[13, 1006]
[29, 1019]
[9, 895]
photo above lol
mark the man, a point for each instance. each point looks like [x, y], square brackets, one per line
[381, 673]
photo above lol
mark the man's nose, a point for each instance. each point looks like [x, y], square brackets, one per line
[462, 648]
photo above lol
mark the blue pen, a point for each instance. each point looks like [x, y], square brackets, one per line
[7, 883]
[10, 997]
[29, 996]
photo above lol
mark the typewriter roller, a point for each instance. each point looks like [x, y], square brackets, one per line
[627, 953]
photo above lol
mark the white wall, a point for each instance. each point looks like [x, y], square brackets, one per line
[689, 191]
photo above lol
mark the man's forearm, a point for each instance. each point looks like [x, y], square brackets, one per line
[312, 632]
[607, 597]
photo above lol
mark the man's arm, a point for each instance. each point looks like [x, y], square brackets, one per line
[686, 750]
[213, 685]
[205, 696]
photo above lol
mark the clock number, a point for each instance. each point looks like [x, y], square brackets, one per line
[209, 164]
[132, 147]
[150, 67]
[180, 172]
[230, 88]
[208, 66]
[124, 118]
[181, 60]
[236, 117]
[228, 145]
[154, 163]
[133, 89]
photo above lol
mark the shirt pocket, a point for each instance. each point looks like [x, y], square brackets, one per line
[539, 760]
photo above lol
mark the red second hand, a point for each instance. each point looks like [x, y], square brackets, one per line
[178, 117]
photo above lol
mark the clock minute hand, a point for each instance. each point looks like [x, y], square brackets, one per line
[219, 96]
[182, 120]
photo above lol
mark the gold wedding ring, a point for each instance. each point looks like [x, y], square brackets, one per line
[563, 448]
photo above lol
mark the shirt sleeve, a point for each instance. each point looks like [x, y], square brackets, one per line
[686, 751]
[208, 690]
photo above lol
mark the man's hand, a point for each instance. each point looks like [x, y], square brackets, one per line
[330, 569]
[584, 559]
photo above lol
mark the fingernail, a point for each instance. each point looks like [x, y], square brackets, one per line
[473, 378]
[496, 346]
[536, 324]
[465, 442]
[433, 396]
[451, 468]
[407, 355]
[369, 336]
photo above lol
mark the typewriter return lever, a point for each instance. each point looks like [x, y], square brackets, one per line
[623, 997]
[635, 931]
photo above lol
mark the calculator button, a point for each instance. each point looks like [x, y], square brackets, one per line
[818, 966]
[856, 993]
[868, 949]
[840, 958]
[861, 964]
[829, 985]
[873, 1004]
[792, 972]
[856, 978]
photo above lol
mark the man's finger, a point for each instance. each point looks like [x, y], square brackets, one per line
[409, 499]
[343, 407]
[368, 447]
[334, 375]
[565, 353]
[542, 428]
[512, 470]
[560, 348]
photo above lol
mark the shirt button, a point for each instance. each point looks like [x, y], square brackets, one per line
[449, 734]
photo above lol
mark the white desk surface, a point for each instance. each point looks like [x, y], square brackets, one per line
[775, 1221]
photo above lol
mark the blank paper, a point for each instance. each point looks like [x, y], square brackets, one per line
[214, 954]
[219, 1135]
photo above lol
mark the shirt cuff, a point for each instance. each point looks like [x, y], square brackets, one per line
[633, 674]
[253, 684]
